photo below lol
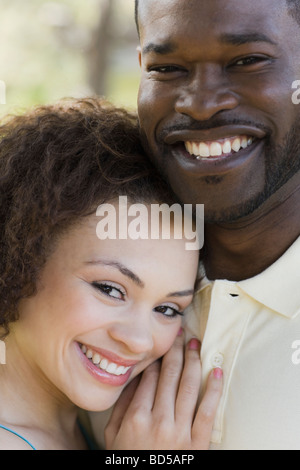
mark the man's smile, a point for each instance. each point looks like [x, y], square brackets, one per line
[214, 147]
[221, 148]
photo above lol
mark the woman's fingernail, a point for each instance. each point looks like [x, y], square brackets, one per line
[218, 373]
[194, 344]
[180, 332]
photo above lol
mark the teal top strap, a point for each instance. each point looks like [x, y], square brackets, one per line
[18, 435]
[91, 444]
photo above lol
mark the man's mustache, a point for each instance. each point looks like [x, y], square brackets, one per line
[188, 124]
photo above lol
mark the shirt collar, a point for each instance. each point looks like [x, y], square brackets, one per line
[278, 287]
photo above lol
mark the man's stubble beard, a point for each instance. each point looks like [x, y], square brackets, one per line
[282, 162]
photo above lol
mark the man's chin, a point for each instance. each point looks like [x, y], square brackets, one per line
[234, 214]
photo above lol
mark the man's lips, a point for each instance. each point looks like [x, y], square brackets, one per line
[215, 145]
[217, 135]
[220, 148]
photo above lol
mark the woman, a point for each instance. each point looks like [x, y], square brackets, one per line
[83, 313]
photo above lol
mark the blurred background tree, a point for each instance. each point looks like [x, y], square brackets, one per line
[53, 49]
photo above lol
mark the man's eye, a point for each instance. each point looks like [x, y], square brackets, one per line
[164, 69]
[168, 311]
[247, 61]
[110, 290]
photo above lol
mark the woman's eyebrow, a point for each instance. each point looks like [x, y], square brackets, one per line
[133, 277]
[182, 293]
[123, 270]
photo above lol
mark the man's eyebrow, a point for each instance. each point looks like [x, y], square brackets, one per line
[161, 49]
[239, 39]
[123, 270]
[235, 39]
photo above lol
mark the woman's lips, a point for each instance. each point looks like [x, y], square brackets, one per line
[106, 366]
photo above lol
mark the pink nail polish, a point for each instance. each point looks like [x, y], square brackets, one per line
[218, 373]
[180, 332]
[194, 344]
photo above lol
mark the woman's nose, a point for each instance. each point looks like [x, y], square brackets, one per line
[135, 333]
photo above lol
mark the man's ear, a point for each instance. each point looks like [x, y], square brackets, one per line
[139, 50]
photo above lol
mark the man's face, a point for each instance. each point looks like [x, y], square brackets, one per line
[215, 101]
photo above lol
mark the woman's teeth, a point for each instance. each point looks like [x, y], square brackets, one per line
[218, 148]
[103, 363]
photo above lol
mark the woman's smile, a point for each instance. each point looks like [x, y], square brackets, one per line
[102, 368]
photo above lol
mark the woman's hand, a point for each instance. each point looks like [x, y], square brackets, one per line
[159, 410]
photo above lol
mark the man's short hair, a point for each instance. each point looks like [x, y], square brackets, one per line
[294, 9]
[293, 6]
[136, 13]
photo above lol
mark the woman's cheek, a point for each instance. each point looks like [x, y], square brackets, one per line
[166, 338]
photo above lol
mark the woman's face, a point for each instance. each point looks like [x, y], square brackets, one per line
[104, 310]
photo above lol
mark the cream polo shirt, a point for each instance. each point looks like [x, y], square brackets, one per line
[252, 330]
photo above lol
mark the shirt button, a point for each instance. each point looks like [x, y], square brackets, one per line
[217, 360]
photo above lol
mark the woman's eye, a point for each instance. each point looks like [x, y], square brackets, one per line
[168, 311]
[110, 290]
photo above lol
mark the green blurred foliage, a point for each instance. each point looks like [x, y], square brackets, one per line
[44, 51]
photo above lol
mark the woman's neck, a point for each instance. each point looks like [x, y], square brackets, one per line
[29, 401]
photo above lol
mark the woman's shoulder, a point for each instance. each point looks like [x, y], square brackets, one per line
[10, 440]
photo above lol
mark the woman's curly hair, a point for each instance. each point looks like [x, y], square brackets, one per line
[57, 164]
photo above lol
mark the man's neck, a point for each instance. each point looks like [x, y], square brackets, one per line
[243, 249]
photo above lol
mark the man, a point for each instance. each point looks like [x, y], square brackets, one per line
[217, 117]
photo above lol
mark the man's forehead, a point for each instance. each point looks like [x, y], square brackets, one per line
[208, 9]
[167, 18]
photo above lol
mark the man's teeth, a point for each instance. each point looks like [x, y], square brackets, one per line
[218, 148]
[103, 363]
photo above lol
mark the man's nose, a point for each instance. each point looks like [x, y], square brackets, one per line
[207, 93]
[134, 333]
